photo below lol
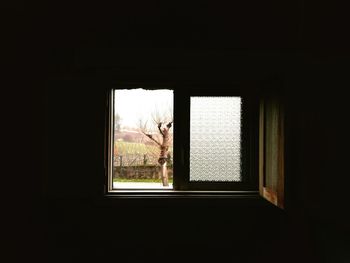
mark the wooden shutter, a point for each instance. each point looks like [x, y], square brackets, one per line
[271, 151]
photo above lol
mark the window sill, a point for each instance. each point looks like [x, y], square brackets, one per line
[147, 198]
[151, 193]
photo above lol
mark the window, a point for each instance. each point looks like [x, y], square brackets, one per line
[215, 139]
[142, 139]
[193, 140]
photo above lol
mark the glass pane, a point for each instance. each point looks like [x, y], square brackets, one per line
[143, 139]
[215, 139]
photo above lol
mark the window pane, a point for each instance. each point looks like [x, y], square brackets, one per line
[215, 139]
[143, 139]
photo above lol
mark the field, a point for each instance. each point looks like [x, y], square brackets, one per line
[133, 148]
[131, 153]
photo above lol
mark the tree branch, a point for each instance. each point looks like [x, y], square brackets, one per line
[151, 137]
[159, 128]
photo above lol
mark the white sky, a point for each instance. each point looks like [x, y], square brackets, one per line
[135, 104]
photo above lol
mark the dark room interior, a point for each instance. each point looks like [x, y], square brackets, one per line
[82, 51]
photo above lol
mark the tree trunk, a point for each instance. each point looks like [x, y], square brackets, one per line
[164, 174]
[163, 157]
[164, 147]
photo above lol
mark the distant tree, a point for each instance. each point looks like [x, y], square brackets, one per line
[117, 120]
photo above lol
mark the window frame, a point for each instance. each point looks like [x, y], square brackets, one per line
[276, 194]
[181, 143]
[249, 133]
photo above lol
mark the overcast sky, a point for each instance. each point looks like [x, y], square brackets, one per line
[133, 104]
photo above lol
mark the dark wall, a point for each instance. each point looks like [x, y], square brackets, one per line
[315, 224]
[285, 45]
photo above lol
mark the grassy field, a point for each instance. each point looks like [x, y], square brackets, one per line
[131, 148]
[130, 153]
[134, 148]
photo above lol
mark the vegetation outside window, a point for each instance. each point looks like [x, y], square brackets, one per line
[143, 139]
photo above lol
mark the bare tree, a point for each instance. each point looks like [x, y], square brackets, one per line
[161, 139]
